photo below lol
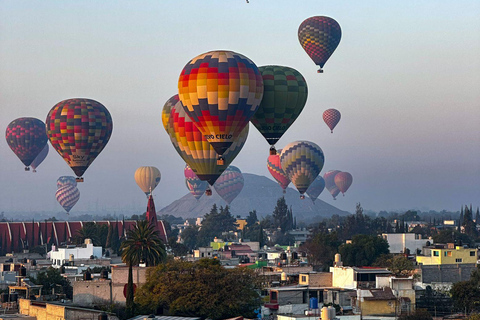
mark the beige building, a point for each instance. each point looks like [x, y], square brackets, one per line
[52, 311]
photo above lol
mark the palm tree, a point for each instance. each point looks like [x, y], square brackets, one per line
[142, 245]
[88, 231]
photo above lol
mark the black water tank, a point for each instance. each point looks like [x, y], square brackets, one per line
[294, 255]
[23, 271]
[87, 276]
[13, 297]
[103, 316]
[34, 262]
[4, 297]
[104, 274]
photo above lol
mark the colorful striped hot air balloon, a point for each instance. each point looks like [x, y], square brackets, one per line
[66, 180]
[39, 159]
[195, 150]
[79, 129]
[343, 181]
[196, 186]
[284, 96]
[220, 92]
[167, 108]
[27, 138]
[316, 188]
[275, 169]
[331, 118]
[329, 178]
[147, 178]
[229, 184]
[302, 162]
[319, 37]
[67, 196]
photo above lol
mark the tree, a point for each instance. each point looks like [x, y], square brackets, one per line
[143, 245]
[88, 231]
[321, 248]
[364, 250]
[452, 236]
[281, 215]
[466, 294]
[469, 227]
[214, 224]
[400, 266]
[52, 279]
[182, 288]
[190, 237]
[252, 218]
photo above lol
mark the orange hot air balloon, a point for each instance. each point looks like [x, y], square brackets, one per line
[343, 181]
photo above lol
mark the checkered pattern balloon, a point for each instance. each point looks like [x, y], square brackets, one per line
[331, 118]
[284, 96]
[79, 129]
[66, 180]
[275, 169]
[319, 37]
[195, 150]
[302, 162]
[167, 108]
[196, 186]
[343, 181]
[316, 188]
[67, 196]
[329, 178]
[230, 184]
[220, 91]
[39, 159]
[26, 137]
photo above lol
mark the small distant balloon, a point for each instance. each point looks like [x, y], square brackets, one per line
[331, 118]
[147, 178]
[196, 186]
[229, 184]
[316, 188]
[343, 181]
[66, 180]
[330, 183]
[39, 159]
[67, 196]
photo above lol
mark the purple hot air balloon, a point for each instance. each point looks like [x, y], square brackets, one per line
[67, 196]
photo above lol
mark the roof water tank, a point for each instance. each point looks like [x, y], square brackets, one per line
[313, 303]
[331, 312]
[324, 314]
[283, 276]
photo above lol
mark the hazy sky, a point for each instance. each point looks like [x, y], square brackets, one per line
[406, 78]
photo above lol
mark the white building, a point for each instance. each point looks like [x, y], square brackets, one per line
[398, 242]
[59, 256]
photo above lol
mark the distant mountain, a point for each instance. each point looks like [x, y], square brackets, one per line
[259, 193]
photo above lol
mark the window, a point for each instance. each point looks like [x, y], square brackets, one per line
[472, 253]
[273, 296]
[304, 278]
[458, 260]
[449, 253]
[436, 253]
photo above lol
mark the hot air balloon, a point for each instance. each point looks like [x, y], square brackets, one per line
[275, 169]
[147, 179]
[167, 108]
[67, 196]
[196, 186]
[66, 180]
[79, 129]
[230, 184]
[302, 161]
[195, 150]
[284, 96]
[316, 188]
[319, 37]
[331, 118]
[220, 91]
[39, 159]
[343, 181]
[27, 138]
[329, 178]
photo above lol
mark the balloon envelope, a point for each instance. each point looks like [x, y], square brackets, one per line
[284, 96]
[67, 196]
[230, 184]
[39, 159]
[167, 108]
[316, 188]
[275, 168]
[79, 129]
[196, 186]
[195, 150]
[302, 162]
[329, 178]
[66, 180]
[220, 91]
[319, 37]
[27, 138]
[147, 178]
[331, 118]
[343, 181]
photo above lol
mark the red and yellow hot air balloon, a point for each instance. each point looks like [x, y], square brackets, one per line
[331, 118]
[275, 168]
[220, 91]
[27, 138]
[329, 178]
[319, 37]
[343, 181]
[229, 184]
[79, 129]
